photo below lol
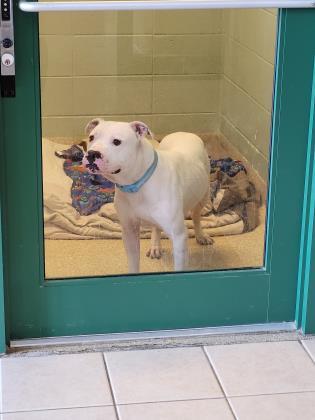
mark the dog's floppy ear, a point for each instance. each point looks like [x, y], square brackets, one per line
[92, 124]
[141, 129]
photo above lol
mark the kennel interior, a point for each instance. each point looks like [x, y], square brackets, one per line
[209, 72]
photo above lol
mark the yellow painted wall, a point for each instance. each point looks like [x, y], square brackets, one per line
[201, 71]
[160, 67]
[247, 83]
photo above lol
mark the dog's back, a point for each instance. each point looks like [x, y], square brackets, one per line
[182, 142]
[191, 164]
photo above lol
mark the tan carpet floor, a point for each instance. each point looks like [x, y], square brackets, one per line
[90, 258]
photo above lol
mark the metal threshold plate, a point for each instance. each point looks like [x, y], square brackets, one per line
[151, 335]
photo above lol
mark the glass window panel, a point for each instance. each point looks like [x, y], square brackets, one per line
[205, 72]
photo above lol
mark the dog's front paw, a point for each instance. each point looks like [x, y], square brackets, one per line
[154, 252]
[204, 240]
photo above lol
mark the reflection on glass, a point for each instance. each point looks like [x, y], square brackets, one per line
[209, 73]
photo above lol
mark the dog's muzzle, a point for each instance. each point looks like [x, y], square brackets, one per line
[91, 156]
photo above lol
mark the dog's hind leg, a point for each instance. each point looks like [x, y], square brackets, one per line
[155, 249]
[201, 238]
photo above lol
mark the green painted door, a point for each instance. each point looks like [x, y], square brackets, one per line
[41, 307]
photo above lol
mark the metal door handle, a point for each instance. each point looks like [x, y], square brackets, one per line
[62, 6]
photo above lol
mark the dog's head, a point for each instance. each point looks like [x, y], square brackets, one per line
[113, 146]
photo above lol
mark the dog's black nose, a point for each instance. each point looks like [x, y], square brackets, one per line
[92, 155]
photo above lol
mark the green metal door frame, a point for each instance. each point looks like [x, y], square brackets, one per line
[296, 104]
[305, 309]
[4, 338]
[272, 301]
[2, 311]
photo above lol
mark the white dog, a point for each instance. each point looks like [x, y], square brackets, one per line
[159, 187]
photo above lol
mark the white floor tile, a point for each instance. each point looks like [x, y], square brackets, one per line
[275, 407]
[310, 346]
[258, 368]
[161, 375]
[93, 413]
[177, 410]
[39, 383]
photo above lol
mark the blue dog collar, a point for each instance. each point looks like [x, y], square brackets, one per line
[135, 187]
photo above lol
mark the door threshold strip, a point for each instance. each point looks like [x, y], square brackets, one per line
[151, 335]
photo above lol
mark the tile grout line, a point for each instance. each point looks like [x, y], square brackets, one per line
[39, 410]
[309, 354]
[216, 398]
[110, 387]
[157, 402]
[170, 401]
[272, 393]
[219, 383]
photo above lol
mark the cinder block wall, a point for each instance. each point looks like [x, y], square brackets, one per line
[160, 67]
[247, 82]
[200, 71]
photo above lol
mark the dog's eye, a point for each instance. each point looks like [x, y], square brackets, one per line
[116, 142]
[91, 138]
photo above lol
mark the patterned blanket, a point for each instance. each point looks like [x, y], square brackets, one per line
[89, 192]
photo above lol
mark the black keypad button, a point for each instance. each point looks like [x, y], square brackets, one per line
[7, 43]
